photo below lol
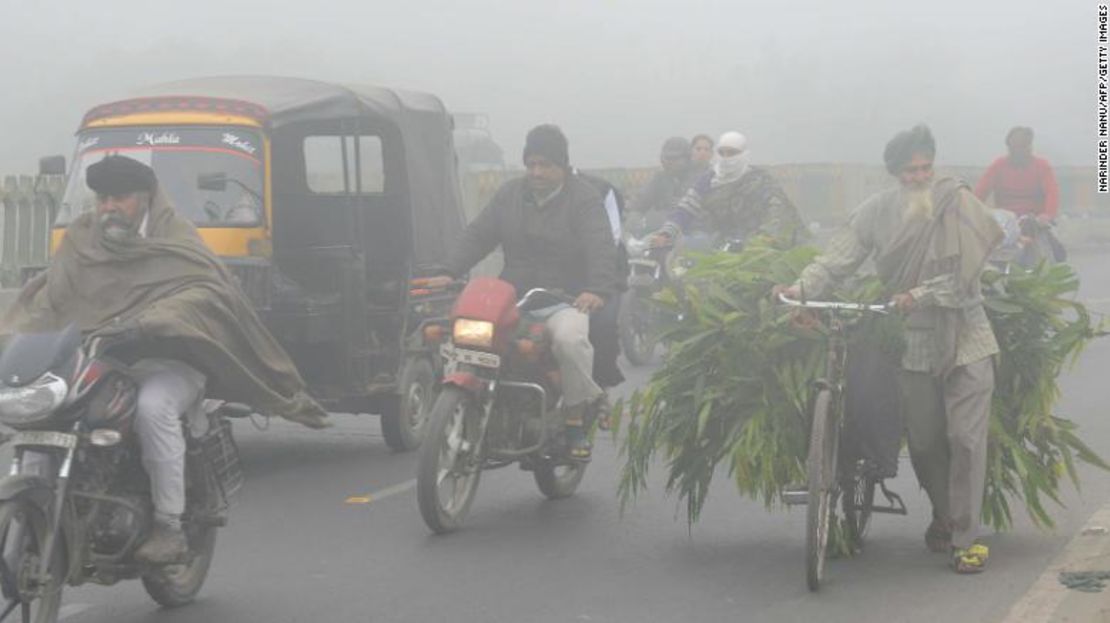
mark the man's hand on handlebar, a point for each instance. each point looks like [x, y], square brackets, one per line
[805, 319]
[587, 302]
[661, 240]
[790, 292]
[904, 302]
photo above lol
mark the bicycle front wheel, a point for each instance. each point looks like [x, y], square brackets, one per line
[821, 468]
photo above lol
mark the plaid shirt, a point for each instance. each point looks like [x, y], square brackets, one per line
[872, 227]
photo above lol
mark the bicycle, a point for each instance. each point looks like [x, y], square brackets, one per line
[829, 477]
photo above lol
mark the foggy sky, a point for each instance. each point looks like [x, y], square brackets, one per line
[807, 81]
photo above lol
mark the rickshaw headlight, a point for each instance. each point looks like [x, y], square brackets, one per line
[478, 333]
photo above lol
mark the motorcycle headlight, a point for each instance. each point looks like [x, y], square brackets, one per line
[636, 246]
[477, 333]
[22, 405]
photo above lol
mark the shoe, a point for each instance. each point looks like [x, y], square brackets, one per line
[165, 545]
[577, 436]
[579, 447]
[970, 560]
[602, 412]
[938, 537]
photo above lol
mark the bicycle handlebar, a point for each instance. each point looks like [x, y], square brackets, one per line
[835, 305]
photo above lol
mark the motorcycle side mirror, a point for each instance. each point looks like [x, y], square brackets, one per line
[52, 165]
[216, 182]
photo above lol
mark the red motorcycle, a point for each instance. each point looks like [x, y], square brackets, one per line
[499, 405]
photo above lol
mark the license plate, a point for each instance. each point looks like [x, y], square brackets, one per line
[45, 438]
[472, 357]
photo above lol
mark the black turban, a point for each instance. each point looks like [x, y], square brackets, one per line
[902, 148]
[548, 141]
[119, 175]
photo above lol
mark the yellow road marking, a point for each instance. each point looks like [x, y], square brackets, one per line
[367, 498]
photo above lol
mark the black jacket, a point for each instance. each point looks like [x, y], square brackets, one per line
[566, 244]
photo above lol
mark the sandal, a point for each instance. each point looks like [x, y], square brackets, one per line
[938, 537]
[601, 412]
[970, 560]
[578, 442]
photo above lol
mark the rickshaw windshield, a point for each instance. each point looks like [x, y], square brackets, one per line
[213, 176]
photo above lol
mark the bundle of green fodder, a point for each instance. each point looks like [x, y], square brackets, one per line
[735, 385]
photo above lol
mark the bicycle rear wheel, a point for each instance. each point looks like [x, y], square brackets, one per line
[857, 502]
[821, 463]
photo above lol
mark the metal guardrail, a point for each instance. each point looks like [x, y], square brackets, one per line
[27, 208]
[824, 193]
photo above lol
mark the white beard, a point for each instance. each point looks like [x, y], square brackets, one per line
[919, 204]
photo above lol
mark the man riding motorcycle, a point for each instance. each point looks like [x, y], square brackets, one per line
[1021, 182]
[668, 185]
[554, 232]
[1025, 185]
[736, 201]
[136, 270]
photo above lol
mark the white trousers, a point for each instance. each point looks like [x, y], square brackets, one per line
[168, 390]
[570, 343]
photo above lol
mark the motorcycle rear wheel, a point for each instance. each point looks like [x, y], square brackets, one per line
[20, 549]
[446, 460]
[174, 586]
[558, 480]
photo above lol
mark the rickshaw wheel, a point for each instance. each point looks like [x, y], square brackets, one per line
[405, 419]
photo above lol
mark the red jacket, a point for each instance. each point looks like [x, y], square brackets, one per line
[1027, 189]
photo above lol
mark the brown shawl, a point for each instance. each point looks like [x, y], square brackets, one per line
[179, 295]
[956, 241]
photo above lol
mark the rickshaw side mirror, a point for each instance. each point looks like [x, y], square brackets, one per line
[212, 181]
[52, 165]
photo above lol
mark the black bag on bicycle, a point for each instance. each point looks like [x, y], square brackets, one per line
[874, 416]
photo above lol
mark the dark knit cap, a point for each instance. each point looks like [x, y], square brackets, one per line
[674, 148]
[901, 149]
[1020, 131]
[120, 175]
[548, 141]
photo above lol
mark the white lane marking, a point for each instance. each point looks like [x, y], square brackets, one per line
[70, 610]
[376, 496]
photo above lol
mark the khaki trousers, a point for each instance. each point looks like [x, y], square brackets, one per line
[570, 343]
[947, 421]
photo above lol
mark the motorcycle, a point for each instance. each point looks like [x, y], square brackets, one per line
[653, 268]
[639, 322]
[76, 503]
[499, 404]
[1027, 242]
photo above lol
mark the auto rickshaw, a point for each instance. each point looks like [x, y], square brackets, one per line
[328, 202]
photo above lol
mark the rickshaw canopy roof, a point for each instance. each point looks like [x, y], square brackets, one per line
[280, 101]
[421, 119]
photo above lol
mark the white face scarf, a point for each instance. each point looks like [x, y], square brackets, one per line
[727, 170]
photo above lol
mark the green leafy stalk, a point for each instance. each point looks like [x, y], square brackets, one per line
[734, 387]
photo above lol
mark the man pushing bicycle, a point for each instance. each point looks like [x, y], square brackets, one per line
[930, 239]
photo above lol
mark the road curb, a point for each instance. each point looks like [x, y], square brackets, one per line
[1050, 601]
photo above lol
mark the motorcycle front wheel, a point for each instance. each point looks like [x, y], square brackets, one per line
[23, 530]
[636, 333]
[448, 473]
